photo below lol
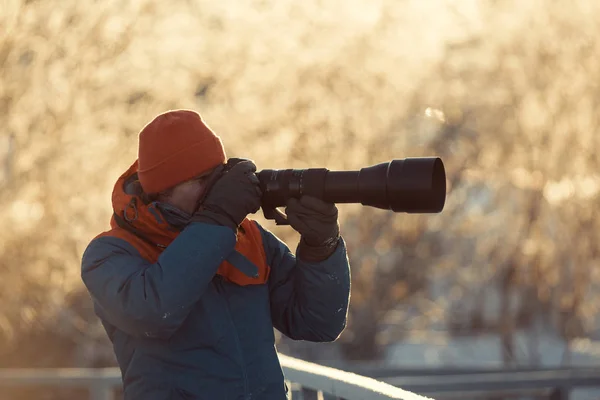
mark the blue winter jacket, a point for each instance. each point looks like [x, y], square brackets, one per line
[180, 331]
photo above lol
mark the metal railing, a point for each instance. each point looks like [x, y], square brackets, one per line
[553, 384]
[309, 381]
[446, 382]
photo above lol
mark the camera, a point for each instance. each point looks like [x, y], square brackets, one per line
[409, 185]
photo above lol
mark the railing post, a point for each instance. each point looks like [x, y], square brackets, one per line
[295, 391]
[560, 393]
[309, 394]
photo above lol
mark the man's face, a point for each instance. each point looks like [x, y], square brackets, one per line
[186, 195]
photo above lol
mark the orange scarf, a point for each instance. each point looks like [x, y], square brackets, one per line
[155, 234]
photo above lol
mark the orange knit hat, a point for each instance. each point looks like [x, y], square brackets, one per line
[175, 147]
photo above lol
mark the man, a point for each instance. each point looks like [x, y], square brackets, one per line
[189, 289]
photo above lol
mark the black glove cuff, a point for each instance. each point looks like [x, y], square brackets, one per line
[310, 253]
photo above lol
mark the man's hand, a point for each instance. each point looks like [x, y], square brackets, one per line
[317, 223]
[232, 197]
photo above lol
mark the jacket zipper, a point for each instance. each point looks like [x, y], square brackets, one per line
[238, 345]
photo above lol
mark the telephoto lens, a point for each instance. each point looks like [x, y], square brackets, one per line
[410, 185]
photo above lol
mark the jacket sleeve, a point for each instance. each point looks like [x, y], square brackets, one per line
[309, 301]
[152, 300]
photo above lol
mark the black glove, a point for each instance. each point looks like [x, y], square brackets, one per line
[317, 223]
[232, 197]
